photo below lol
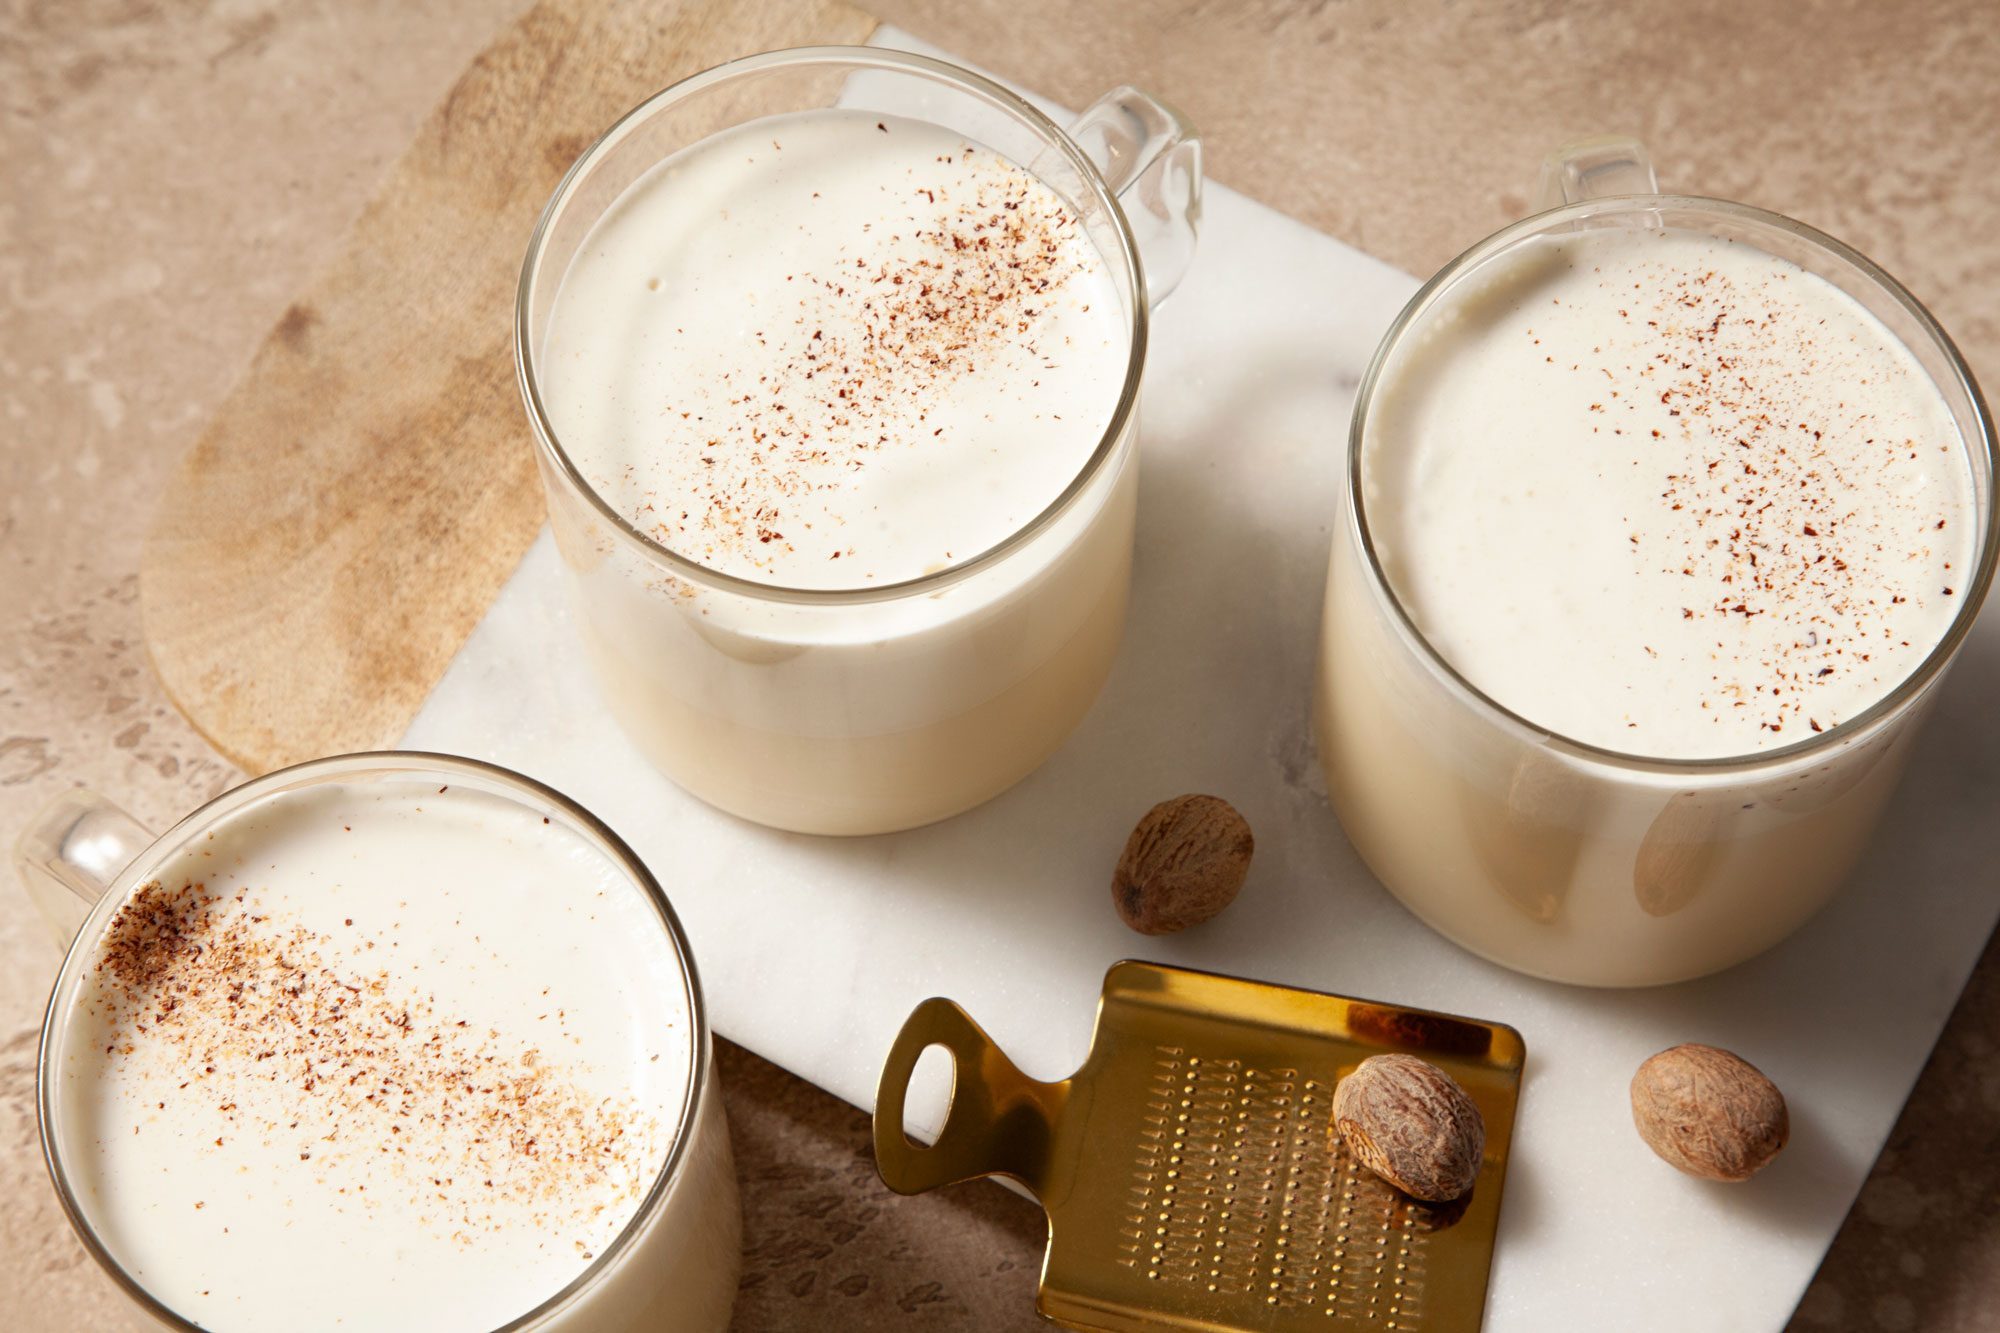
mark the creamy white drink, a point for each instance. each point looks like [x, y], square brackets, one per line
[1682, 504]
[377, 1056]
[1669, 495]
[834, 349]
[831, 352]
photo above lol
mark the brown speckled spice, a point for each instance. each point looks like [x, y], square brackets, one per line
[286, 1036]
[873, 345]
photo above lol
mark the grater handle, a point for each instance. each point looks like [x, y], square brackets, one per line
[1000, 1121]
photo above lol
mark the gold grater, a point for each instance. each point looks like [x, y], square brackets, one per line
[1190, 1169]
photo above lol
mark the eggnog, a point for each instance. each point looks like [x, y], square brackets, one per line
[1688, 513]
[830, 353]
[1668, 495]
[382, 1055]
[834, 349]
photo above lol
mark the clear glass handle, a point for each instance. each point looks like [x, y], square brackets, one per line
[71, 852]
[1150, 156]
[1593, 169]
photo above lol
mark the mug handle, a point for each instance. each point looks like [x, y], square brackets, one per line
[1594, 168]
[70, 854]
[1150, 156]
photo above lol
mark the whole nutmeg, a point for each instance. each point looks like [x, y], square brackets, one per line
[1184, 862]
[1411, 1124]
[1708, 1112]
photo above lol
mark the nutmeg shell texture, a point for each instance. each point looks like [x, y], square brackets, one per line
[1185, 861]
[1709, 1112]
[1411, 1124]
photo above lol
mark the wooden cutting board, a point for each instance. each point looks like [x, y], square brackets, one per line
[349, 514]
[351, 511]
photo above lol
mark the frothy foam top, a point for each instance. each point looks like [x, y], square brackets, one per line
[834, 349]
[373, 1055]
[1669, 494]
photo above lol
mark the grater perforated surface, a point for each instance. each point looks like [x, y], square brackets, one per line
[1243, 1188]
[1191, 1171]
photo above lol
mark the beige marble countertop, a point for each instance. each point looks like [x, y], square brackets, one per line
[171, 173]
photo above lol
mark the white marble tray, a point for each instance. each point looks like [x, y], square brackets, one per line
[813, 951]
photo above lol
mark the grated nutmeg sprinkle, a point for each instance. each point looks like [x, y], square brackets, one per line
[283, 1040]
[1760, 456]
[871, 345]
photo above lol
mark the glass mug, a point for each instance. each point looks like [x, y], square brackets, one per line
[1563, 859]
[674, 1265]
[867, 710]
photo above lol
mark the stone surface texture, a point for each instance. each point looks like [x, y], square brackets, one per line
[171, 173]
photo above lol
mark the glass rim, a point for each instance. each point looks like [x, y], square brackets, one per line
[412, 762]
[559, 461]
[1841, 733]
